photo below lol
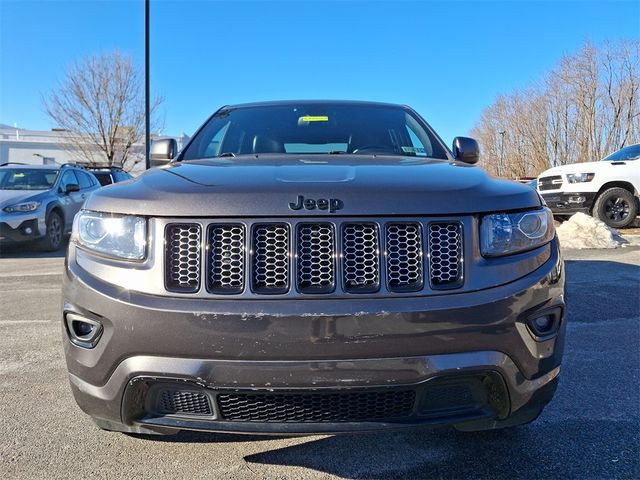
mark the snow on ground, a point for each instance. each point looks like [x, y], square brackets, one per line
[584, 231]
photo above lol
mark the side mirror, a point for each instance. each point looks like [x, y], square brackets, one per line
[71, 187]
[466, 150]
[162, 151]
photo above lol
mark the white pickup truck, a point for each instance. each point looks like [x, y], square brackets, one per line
[609, 189]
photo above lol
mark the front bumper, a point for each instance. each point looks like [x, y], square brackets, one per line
[569, 203]
[360, 346]
[24, 231]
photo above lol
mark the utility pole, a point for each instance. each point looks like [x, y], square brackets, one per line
[502, 132]
[147, 114]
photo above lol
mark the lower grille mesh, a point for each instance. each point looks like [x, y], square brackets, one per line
[183, 402]
[316, 407]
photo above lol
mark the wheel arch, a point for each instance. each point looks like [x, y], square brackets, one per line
[617, 184]
[57, 207]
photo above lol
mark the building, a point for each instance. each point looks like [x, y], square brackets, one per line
[39, 147]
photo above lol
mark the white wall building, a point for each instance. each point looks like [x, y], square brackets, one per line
[48, 147]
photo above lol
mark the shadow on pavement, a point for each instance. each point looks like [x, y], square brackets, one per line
[30, 250]
[567, 449]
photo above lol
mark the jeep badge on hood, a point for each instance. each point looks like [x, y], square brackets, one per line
[333, 204]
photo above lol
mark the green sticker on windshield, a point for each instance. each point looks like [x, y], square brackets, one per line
[312, 118]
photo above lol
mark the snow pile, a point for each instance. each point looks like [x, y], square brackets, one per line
[583, 231]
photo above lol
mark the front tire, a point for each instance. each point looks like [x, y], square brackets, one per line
[616, 207]
[53, 236]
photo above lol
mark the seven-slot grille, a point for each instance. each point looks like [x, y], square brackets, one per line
[313, 258]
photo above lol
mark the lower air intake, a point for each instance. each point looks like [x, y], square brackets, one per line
[183, 402]
[316, 407]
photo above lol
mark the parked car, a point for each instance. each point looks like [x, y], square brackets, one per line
[608, 190]
[107, 175]
[313, 267]
[38, 202]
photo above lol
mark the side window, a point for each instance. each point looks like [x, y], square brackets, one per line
[416, 147]
[85, 180]
[68, 178]
[213, 148]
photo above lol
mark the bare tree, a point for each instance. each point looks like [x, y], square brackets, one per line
[100, 106]
[586, 107]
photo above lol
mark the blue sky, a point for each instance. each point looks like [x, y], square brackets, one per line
[448, 60]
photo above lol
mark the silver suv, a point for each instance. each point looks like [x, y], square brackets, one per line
[38, 202]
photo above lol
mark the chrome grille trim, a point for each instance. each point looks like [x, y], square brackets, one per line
[404, 252]
[445, 255]
[182, 257]
[316, 258]
[270, 249]
[360, 257]
[226, 244]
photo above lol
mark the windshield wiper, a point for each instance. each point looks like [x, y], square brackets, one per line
[336, 152]
[227, 154]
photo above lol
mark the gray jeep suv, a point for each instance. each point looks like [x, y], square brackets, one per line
[313, 267]
[38, 202]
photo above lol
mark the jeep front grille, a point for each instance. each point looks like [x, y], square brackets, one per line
[316, 258]
[308, 258]
[445, 254]
[360, 251]
[270, 262]
[225, 255]
[182, 257]
[404, 257]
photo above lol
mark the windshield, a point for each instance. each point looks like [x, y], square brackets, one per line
[27, 178]
[314, 129]
[631, 152]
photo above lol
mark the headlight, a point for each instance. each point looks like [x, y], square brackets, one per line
[580, 177]
[507, 233]
[22, 207]
[122, 236]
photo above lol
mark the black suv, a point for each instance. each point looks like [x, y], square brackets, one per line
[107, 175]
[313, 267]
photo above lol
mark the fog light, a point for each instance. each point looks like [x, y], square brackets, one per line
[84, 332]
[28, 231]
[544, 324]
[578, 199]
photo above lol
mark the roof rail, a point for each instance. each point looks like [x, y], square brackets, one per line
[73, 164]
[103, 165]
[13, 163]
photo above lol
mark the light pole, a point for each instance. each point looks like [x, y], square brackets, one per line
[147, 114]
[502, 132]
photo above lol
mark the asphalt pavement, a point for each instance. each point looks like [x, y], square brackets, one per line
[590, 430]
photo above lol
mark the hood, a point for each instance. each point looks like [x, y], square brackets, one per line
[265, 186]
[584, 167]
[11, 197]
